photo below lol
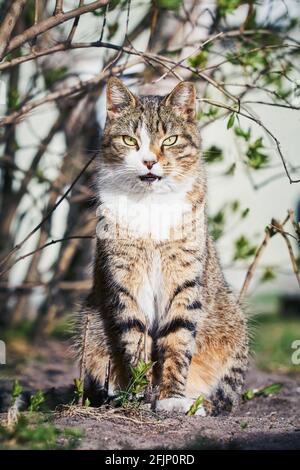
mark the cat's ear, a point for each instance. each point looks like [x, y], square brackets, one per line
[118, 97]
[182, 100]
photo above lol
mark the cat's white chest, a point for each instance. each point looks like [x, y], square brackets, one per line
[151, 217]
[151, 293]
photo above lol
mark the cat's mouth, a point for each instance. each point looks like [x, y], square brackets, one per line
[150, 178]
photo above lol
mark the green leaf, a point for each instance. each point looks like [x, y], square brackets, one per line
[78, 388]
[227, 6]
[235, 205]
[36, 401]
[217, 224]
[248, 394]
[13, 98]
[199, 60]
[52, 75]
[268, 274]
[196, 405]
[243, 248]
[269, 390]
[17, 389]
[213, 154]
[87, 403]
[169, 4]
[245, 212]
[231, 120]
[230, 171]
[242, 133]
[261, 392]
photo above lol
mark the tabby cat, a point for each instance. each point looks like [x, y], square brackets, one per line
[158, 289]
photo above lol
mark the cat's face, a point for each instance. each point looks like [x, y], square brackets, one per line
[150, 143]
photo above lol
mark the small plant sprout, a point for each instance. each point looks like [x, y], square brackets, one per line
[16, 391]
[78, 389]
[137, 384]
[196, 405]
[36, 401]
[87, 403]
[261, 392]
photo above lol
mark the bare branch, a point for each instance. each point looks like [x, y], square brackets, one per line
[19, 245]
[270, 232]
[51, 22]
[58, 7]
[9, 23]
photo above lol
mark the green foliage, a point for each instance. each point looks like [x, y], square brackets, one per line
[78, 389]
[112, 29]
[38, 435]
[261, 392]
[242, 133]
[17, 389]
[213, 154]
[53, 75]
[210, 114]
[36, 401]
[200, 60]
[217, 222]
[231, 169]
[256, 158]
[137, 385]
[227, 6]
[13, 98]
[243, 424]
[231, 120]
[271, 344]
[169, 4]
[196, 405]
[87, 403]
[243, 249]
[268, 274]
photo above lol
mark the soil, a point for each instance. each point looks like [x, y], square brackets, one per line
[271, 422]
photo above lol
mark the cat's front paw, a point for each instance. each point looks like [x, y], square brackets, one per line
[179, 405]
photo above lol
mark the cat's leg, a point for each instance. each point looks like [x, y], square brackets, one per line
[176, 344]
[219, 364]
[92, 352]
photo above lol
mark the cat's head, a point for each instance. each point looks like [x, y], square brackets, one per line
[150, 143]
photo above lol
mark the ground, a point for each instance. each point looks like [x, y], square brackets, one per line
[271, 422]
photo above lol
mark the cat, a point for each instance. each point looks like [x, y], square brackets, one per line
[158, 289]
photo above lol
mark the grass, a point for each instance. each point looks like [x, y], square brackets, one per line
[272, 340]
[36, 431]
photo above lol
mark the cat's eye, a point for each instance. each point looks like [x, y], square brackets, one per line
[170, 141]
[128, 140]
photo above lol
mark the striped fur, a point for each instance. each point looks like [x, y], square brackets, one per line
[166, 286]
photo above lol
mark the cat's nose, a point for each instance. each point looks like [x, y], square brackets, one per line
[149, 163]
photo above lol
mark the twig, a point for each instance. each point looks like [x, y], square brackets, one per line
[295, 225]
[107, 378]
[58, 7]
[46, 245]
[270, 232]
[74, 26]
[289, 247]
[63, 93]
[51, 22]
[259, 122]
[19, 245]
[9, 23]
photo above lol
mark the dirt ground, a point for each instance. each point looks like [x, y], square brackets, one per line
[271, 422]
